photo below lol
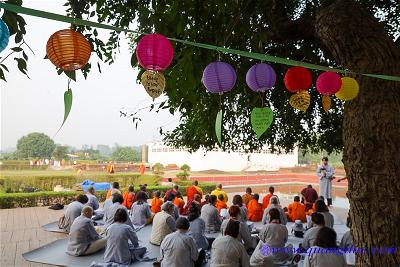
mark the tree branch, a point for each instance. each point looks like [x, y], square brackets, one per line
[282, 28]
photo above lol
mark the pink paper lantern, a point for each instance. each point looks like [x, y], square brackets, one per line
[154, 52]
[328, 83]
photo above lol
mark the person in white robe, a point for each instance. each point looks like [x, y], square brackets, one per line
[83, 238]
[163, 224]
[170, 199]
[73, 211]
[110, 212]
[178, 249]
[317, 222]
[325, 173]
[238, 201]
[92, 199]
[227, 250]
[323, 209]
[118, 248]
[317, 255]
[197, 227]
[276, 235]
[244, 236]
[274, 203]
[140, 210]
[209, 214]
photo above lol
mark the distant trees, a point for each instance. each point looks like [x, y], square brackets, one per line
[35, 145]
[60, 152]
[125, 154]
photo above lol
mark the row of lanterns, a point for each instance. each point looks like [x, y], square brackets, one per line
[69, 50]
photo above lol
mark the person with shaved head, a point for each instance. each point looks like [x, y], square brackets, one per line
[83, 238]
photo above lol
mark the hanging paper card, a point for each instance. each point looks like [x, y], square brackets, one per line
[218, 127]
[261, 119]
[300, 101]
[153, 82]
[326, 102]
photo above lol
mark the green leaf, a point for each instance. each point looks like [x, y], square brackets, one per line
[67, 106]
[134, 60]
[218, 127]
[2, 77]
[17, 49]
[71, 74]
[261, 119]
[21, 65]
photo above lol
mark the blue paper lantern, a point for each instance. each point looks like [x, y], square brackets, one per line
[4, 35]
[219, 77]
[261, 77]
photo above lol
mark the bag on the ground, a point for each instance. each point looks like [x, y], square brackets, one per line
[56, 206]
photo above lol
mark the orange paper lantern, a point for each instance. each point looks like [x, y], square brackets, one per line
[68, 50]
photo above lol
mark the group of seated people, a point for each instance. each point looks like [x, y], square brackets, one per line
[185, 232]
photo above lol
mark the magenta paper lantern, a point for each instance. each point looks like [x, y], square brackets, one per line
[219, 77]
[261, 77]
[328, 83]
[154, 52]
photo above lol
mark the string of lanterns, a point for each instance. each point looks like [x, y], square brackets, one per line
[69, 50]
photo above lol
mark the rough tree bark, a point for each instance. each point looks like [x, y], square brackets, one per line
[371, 126]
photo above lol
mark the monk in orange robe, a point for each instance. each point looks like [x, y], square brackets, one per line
[254, 208]
[179, 202]
[156, 202]
[193, 190]
[248, 196]
[129, 197]
[221, 204]
[296, 210]
[266, 199]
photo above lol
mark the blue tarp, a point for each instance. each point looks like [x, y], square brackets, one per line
[97, 186]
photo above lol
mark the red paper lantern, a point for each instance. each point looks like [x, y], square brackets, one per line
[68, 50]
[154, 52]
[297, 79]
[328, 83]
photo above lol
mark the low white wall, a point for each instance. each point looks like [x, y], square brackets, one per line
[219, 160]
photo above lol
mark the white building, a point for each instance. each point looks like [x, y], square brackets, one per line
[219, 160]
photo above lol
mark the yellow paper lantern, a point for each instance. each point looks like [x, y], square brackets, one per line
[153, 82]
[326, 102]
[68, 50]
[349, 89]
[300, 101]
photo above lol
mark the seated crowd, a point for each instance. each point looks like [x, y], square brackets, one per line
[187, 232]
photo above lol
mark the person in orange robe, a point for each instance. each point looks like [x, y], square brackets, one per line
[254, 208]
[193, 190]
[179, 202]
[296, 210]
[142, 169]
[171, 191]
[115, 185]
[129, 197]
[156, 202]
[221, 204]
[248, 196]
[266, 199]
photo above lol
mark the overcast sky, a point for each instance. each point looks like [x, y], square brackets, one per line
[36, 104]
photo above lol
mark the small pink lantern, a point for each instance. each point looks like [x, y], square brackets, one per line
[154, 52]
[328, 83]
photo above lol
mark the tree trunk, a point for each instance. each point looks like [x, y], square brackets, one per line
[371, 126]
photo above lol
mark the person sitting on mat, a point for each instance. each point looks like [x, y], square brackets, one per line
[296, 210]
[254, 208]
[322, 208]
[238, 201]
[129, 197]
[274, 204]
[118, 234]
[163, 223]
[318, 222]
[221, 204]
[83, 238]
[110, 212]
[115, 187]
[140, 211]
[209, 214]
[73, 211]
[156, 202]
[179, 249]
[92, 199]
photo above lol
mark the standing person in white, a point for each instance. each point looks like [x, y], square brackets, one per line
[325, 173]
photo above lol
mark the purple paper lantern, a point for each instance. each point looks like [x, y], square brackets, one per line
[261, 77]
[219, 77]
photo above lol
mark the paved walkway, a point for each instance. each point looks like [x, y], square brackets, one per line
[20, 231]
